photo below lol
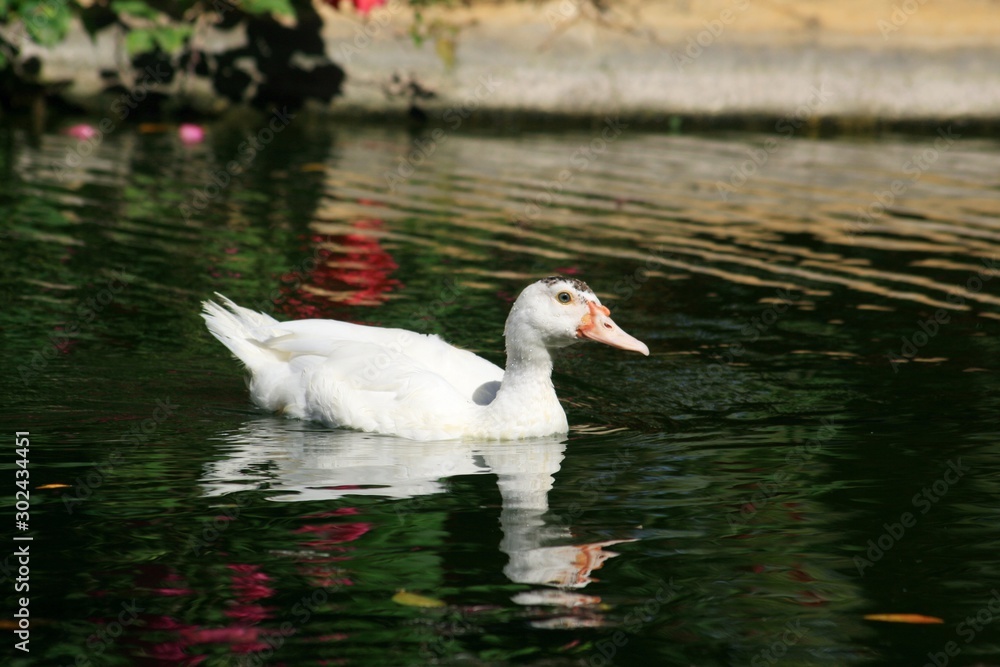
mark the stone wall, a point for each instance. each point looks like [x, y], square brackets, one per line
[881, 59]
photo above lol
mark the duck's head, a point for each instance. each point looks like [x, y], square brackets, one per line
[558, 311]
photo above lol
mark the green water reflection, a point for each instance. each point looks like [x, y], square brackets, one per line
[714, 504]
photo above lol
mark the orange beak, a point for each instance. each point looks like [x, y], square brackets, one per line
[598, 325]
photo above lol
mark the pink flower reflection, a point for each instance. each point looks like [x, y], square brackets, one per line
[356, 273]
[81, 131]
[249, 582]
[234, 618]
[335, 533]
[191, 133]
[249, 614]
[174, 654]
[340, 511]
[233, 634]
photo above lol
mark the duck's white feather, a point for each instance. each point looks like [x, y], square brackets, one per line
[405, 383]
[343, 374]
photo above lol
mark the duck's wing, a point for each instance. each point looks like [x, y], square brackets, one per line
[373, 388]
[374, 379]
[324, 341]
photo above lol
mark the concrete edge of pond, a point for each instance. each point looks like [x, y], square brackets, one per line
[863, 63]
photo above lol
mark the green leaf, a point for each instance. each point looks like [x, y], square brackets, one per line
[416, 29]
[172, 38]
[47, 22]
[279, 7]
[139, 40]
[135, 8]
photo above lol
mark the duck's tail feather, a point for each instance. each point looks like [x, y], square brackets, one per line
[241, 330]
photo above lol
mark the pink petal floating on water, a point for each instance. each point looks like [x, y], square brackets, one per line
[81, 131]
[191, 133]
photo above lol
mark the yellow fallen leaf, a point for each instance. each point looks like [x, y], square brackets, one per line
[414, 600]
[313, 166]
[52, 486]
[903, 618]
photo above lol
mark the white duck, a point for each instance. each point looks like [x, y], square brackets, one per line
[416, 385]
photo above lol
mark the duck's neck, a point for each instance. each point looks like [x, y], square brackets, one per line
[527, 364]
[526, 404]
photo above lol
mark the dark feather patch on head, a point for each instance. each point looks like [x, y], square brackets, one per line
[577, 284]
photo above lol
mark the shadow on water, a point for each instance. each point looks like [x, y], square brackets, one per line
[812, 440]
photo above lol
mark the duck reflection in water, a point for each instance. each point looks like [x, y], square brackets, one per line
[296, 463]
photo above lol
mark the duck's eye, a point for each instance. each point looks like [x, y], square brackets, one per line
[564, 297]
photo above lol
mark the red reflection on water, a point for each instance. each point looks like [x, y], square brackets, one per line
[251, 625]
[329, 534]
[322, 569]
[249, 582]
[352, 269]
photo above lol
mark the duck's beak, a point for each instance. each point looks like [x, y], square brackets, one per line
[598, 325]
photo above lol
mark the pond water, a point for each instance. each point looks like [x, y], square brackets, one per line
[814, 438]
